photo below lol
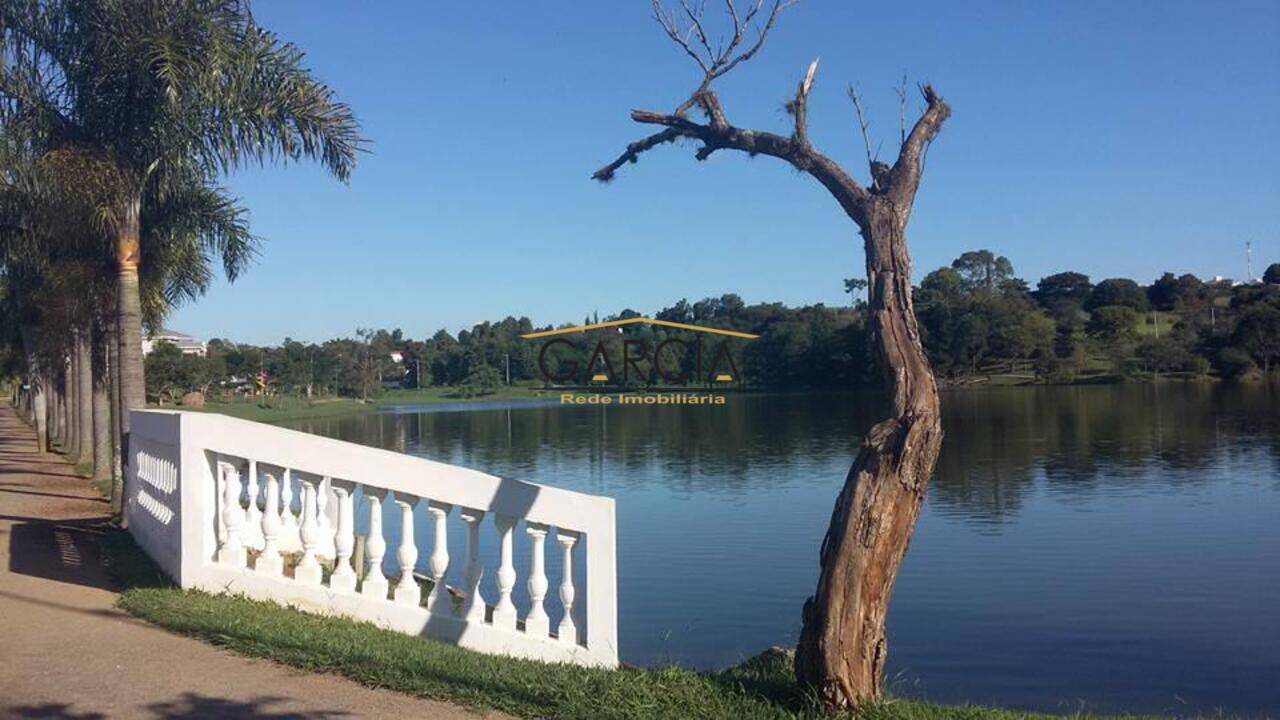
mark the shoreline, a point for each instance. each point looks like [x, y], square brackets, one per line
[448, 399]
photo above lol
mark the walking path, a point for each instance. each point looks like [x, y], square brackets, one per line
[67, 652]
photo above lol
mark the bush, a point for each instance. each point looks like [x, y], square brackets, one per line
[1234, 362]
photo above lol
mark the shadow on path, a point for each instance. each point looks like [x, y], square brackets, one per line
[187, 705]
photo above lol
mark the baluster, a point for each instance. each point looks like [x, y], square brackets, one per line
[232, 550]
[537, 624]
[253, 518]
[504, 613]
[270, 562]
[439, 561]
[375, 583]
[568, 631]
[323, 522]
[290, 533]
[407, 590]
[344, 576]
[309, 571]
[474, 610]
[220, 492]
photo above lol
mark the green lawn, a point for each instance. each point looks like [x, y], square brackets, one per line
[760, 688]
[289, 407]
[1157, 323]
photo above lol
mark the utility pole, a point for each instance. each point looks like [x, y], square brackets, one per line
[506, 359]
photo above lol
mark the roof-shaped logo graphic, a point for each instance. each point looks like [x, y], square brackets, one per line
[634, 320]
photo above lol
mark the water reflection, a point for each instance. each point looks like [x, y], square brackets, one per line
[1111, 545]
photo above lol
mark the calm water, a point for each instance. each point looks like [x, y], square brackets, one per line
[1113, 548]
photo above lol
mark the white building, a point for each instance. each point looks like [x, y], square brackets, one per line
[187, 344]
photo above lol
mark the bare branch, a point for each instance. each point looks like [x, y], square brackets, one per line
[719, 134]
[715, 62]
[672, 29]
[605, 174]
[726, 63]
[904, 178]
[863, 124]
[901, 91]
[695, 24]
[799, 107]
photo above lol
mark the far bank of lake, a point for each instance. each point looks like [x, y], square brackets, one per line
[1110, 548]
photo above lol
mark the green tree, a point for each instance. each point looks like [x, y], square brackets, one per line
[169, 372]
[1163, 355]
[1113, 323]
[983, 269]
[1118, 291]
[1272, 274]
[1063, 294]
[1258, 333]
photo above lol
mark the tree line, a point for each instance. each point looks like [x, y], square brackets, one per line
[976, 316]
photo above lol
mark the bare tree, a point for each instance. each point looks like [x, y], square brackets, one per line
[842, 645]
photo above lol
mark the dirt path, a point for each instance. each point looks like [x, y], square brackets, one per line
[67, 652]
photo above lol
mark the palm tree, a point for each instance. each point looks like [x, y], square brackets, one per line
[59, 272]
[163, 96]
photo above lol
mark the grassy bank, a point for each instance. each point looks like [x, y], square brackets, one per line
[760, 688]
[283, 408]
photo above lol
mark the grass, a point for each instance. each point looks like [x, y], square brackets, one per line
[1157, 323]
[761, 688]
[284, 408]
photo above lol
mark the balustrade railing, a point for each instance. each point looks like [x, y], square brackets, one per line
[230, 505]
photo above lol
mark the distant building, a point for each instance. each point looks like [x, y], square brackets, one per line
[187, 344]
[397, 356]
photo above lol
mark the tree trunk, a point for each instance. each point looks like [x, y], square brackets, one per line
[113, 380]
[39, 389]
[71, 444]
[84, 399]
[40, 409]
[842, 646]
[129, 315]
[57, 414]
[101, 411]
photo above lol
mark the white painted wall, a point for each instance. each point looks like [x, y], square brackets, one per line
[181, 465]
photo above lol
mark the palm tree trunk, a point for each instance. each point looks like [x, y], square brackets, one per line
[39, 392]
[113, 381]
[71, 443]
[129, 315]
[40, 409]
[58, 416]
[101, 412]
[84, 399]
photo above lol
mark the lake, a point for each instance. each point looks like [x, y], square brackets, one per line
[1105, 547]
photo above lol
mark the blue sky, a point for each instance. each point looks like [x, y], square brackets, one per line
[1112, 138]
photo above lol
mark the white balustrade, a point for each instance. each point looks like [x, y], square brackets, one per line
[309, 570]
[504, 613]
[290, 532]
[344, 576]
[253, 516]
[324, 519]
[473, 610]
[439, 562]
[537, 622]
[374, 582]
[193, 463]
[232, 551]
[407, 591]
[269, 561]
[567, 632]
